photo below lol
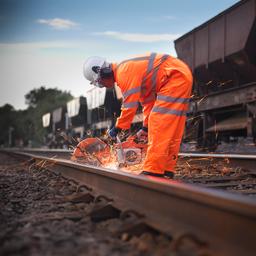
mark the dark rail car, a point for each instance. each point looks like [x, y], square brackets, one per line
[103, 108]
[55, 122]
[76, 117]
[222, 56]
[81, 117]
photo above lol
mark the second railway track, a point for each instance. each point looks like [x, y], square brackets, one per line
[223, 223]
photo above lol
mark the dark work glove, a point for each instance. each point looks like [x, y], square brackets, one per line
[112, 133]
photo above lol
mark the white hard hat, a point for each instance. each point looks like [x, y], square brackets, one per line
[90, 73]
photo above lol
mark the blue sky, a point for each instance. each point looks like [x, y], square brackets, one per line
[46, 42]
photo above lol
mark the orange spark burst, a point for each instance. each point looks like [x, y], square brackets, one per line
[200, 101]
[188, 164]
[209, 82]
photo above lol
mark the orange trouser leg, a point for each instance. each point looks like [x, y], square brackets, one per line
[166, 125]
[165, 134]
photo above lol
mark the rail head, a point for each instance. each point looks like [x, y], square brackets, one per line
[218, 199]
[185, 154]
[219, 155]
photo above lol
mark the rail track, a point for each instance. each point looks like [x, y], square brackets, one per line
[231, 172]
[219, 222]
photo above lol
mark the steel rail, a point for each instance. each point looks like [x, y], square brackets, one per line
[189, 154]
[225, 222]
[221, 156]
[235, 160]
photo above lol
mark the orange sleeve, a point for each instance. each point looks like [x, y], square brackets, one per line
[130, 84]
[125, 119]
[128, 77]
[129, 107]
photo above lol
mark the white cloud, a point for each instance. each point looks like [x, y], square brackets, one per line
[138, 37]
[57, 23]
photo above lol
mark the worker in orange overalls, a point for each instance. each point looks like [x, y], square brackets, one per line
[162, 85]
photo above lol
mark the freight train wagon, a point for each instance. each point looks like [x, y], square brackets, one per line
[81, 117]
[222, 56]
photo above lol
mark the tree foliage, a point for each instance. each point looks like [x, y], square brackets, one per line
[27, 124]
[49, 98]
[7, 120]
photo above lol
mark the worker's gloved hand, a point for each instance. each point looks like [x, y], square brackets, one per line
[142, 134]
[112, 133]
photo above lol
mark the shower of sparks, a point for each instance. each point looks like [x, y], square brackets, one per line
[43, 164]
[215, 130]
[50, 164]
[40, 162]
[70, 147]
[200, 101]
[226, 160]
[193, 117]
[188, 164]
[226, 82]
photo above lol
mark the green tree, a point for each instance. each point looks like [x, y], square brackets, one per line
[26, 125]
[41, 101]
[7, 121]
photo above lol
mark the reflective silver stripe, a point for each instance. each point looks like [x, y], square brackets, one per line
[154, 75]
[169, 111]
[173, 99]
[130, 104]
[131, 91]
[149, 69]
[151, 62]
[134, 59]
[152, 95]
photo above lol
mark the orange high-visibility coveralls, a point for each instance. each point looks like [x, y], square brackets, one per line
[162, 85]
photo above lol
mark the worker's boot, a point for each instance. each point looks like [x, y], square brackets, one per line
[152, 174]
[169, 174]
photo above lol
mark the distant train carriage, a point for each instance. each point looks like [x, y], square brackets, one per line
[222, 55]
[47, 124]
[55, 124]
[103, 108]
[46, 120]
[76, 121]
